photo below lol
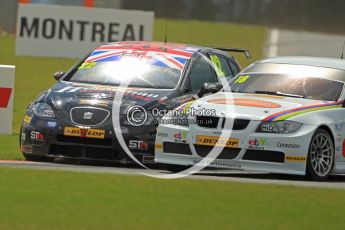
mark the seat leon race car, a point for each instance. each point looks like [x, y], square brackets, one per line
[288, 117]
[73, 119]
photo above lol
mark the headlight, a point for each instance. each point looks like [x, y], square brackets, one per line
[283, 127]
[43, 110]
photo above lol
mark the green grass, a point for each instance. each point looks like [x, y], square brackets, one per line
[69, 200]
[35, 74]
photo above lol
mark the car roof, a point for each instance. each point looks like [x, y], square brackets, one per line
[160, 47]
[332, 63]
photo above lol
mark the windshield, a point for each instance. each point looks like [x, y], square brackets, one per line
[143, 71]
[287, 85]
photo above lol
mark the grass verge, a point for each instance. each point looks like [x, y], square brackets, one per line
[34, 199]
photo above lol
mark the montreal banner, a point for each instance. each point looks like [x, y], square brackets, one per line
[71, 32]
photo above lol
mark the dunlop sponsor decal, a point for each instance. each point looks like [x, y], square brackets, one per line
[217, 141]
[88, 133]
[158, 146]
[295, 159]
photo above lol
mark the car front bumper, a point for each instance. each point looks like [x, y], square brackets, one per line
[247, 150]
[47, 138]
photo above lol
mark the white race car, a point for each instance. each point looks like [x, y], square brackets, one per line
[287, 117]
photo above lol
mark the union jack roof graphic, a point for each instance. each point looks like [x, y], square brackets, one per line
[165, 55]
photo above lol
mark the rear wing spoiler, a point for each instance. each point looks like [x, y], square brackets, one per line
[237, 50]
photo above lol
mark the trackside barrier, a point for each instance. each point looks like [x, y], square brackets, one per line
[7, 75]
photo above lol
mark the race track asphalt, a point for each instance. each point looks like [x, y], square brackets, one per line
[334, 181]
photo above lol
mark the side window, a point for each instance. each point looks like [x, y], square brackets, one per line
[234, 67]
[201, 73]
[221, 66]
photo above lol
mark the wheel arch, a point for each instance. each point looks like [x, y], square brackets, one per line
[329, 131]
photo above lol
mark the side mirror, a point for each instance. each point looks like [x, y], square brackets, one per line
[58, 75]
[207, 88]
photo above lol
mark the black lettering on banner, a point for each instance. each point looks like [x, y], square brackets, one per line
[113, 31]
[141, 33]
[128, 35]
[34, 28]
[82, 29]
[66, 30]
[98, 28]
[46, 32]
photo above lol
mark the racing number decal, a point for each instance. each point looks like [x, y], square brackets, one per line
[87, 65]
[218, 66]
[242, 79]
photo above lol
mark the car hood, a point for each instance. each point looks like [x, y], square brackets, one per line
[65, 95]
[260, 106]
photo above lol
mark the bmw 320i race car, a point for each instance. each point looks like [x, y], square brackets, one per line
[73, 119]
[288, 117]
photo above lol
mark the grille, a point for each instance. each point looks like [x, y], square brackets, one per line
[226, 153]
[267, 156]
[212, 122]
[183, 149]
[84, 152]
[84, 141]
[89, 116]
[239, 124]
[207, 122]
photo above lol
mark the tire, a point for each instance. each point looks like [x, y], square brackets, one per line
[321, 156]
[37, 158]
[20, 137]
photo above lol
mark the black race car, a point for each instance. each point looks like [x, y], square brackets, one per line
[73, 119]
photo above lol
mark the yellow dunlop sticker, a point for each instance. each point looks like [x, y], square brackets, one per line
[87, 65]
[295, 159]
[27, 119]
[242, 79]
[213, 141]
[158, 146]
[215, 60]
[88, 133]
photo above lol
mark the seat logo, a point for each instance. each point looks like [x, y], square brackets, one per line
[87, 116]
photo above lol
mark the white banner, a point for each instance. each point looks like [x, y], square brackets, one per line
[69, 31]
[7, 74]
